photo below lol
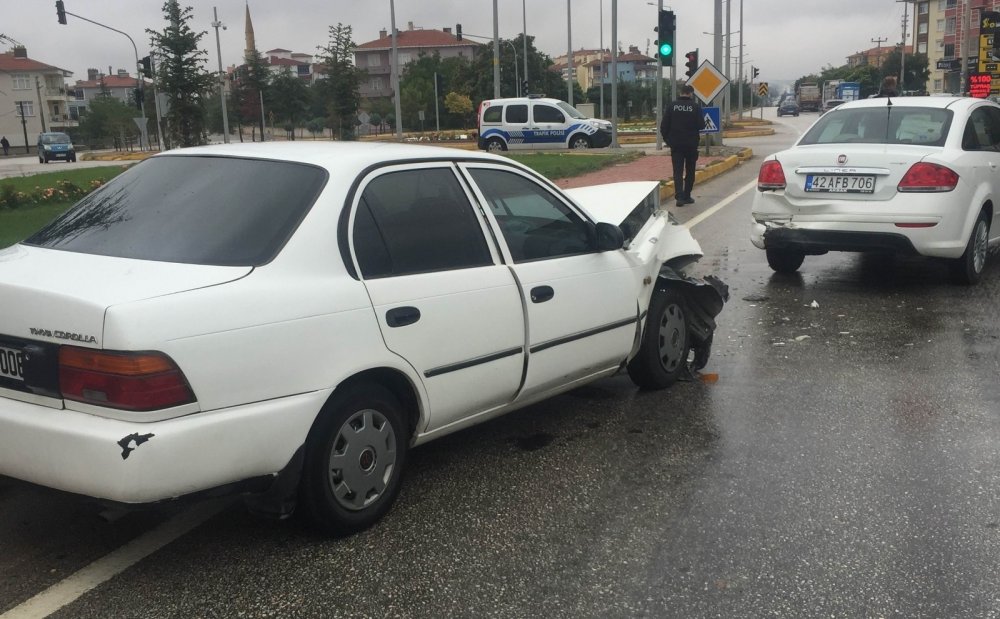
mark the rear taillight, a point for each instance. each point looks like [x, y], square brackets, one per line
[928, 177]
[771, 176]
[128, 381]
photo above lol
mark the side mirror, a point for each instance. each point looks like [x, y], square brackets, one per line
[609, 237]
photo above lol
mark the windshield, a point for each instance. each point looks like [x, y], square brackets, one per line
[881, 125]
[570, 110]
[222, 211]
[55, 138]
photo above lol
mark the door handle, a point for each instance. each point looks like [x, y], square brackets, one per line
[402, 316]
[541, 294]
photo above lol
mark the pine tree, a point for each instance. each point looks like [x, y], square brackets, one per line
[181, 75]
[341, 90]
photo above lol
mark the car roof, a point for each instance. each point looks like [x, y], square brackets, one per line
[958, 103]
[522, 100]
[343, 157]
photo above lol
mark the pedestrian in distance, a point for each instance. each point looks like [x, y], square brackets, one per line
[680, 128]
[6, 145]
[888, 88]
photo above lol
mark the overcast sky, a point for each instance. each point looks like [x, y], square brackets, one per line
[784, 38]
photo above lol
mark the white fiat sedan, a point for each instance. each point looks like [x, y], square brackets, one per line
[287, 320]
[915, 175]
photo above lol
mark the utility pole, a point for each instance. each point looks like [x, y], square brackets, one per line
[659, 86]
[524, 40]
[717, 52]
[496, 51]
[878, 53]
[740, 73]
[569, 52]
[41, 103]
[602, 58]
[222, 77]
[902, 48]
[395, 71]
[24, 127]
[966, 19]
[614, 74]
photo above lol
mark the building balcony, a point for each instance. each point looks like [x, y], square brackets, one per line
[378, 70]
[54, 93]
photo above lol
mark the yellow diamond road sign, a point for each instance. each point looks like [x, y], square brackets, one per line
[707, 82]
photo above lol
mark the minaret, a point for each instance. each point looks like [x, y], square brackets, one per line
[251, 44]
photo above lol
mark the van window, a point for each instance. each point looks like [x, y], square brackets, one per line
[492, 114]
[517, 113]
[548, 114]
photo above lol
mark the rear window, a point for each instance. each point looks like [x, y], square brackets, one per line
[199, 210]
[881, 125]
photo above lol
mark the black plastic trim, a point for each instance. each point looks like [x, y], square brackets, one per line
[445, 369]
[583, 334]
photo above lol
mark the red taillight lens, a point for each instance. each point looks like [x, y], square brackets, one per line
[771, 176]
[128, 381]
[928, 177]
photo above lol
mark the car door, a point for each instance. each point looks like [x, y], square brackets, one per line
[516, 124]
[549, 126]
[442, 299]
[980, 157]
[581, 304]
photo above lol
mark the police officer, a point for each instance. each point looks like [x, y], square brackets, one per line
[680, 127]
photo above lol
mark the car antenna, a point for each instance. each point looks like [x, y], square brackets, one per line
[888, 113]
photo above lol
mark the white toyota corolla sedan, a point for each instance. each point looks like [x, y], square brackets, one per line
[286, 320]
[914, 175]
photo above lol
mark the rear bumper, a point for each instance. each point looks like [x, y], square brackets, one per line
[822, 241]
[132, 463]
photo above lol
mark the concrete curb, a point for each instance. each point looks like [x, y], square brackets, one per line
[708, 172]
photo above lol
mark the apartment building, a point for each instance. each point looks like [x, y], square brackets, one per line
[34, 91]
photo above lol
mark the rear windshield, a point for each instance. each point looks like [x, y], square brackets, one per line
[191, 209]
[881, 125]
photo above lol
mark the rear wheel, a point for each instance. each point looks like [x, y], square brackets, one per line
[969, 268]
[495, 145]
[785, 260]
[663, 352]
[354, 460]
[579, 141]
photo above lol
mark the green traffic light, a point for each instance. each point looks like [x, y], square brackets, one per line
[666, 49]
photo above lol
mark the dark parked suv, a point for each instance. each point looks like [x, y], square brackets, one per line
[789, 107]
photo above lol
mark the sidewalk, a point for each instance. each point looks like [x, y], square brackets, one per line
[656, 167]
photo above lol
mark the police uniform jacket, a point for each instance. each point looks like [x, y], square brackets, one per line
[682, 121]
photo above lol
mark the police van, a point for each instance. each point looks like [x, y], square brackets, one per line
[535, 122]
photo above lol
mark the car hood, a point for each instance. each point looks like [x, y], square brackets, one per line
[61, 296]
[612, 202]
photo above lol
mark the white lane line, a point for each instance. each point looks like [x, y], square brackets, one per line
[694, 221]
[71, 588]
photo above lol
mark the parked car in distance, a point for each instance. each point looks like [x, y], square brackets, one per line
[788, 107]
[291, 332]
[829, 104]
[55, 145]
[536, 123]
[914, 175]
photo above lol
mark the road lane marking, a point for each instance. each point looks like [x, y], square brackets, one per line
[69, 589]
[694, 221]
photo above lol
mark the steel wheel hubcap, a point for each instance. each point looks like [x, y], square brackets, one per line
[362, 459]
[672, 337]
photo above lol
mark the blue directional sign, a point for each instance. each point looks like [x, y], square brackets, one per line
[713, 120]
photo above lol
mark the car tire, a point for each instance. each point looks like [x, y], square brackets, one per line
[784, 260]
[663, 352]
[495, 145]
[968, 269]
[579, 142]
[354, 459]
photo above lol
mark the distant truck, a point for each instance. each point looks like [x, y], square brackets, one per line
[809, 97]
[849, 91]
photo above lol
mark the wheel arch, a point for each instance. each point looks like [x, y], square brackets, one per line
[398, 383]
[579, 134]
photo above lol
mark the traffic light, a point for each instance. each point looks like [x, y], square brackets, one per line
[61, 11]
[458, 31]
[665, 30]
[524, 87]
[754, 72]
[138, 94]
[691, 64]
[147, 66]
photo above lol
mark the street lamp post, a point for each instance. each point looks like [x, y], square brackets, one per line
[395, 72]
[524, 39]
[222, 78]
[569, 53]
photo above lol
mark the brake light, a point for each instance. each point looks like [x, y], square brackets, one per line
[928, 177]
[771, 176]
[128, 381]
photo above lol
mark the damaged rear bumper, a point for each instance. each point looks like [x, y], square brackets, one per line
[134, 463]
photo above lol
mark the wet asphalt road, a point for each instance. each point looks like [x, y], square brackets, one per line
[845, 464]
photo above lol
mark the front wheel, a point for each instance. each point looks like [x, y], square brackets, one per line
[969, 268]
[663, 352]
[495, 145]
[579, 142]
[354, 460]
[784, 260]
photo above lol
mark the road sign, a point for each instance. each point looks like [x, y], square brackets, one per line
[762, 89]
[713, 120]
[707, 82]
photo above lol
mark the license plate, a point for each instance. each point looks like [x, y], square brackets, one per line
[10, 363]
[840, 183]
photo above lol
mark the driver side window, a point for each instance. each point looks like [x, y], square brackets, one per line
[535, 224]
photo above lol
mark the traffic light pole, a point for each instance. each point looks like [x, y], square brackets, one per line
[659, 93]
